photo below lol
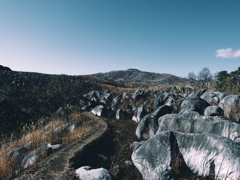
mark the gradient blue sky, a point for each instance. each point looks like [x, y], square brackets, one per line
[79, 37]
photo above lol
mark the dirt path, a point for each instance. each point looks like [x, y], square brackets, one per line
[57, 165]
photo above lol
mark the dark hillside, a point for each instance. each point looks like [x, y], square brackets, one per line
[5, 68]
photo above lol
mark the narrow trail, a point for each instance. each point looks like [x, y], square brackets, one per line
[57, 165]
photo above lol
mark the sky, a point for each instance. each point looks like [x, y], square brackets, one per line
[78, 37]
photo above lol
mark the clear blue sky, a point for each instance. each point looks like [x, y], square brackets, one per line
[79, 37]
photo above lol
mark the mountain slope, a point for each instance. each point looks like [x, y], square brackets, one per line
[135, 75]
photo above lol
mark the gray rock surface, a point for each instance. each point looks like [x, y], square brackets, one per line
[210, 97]
[67, 128]
[231, 106]
[193, 104]
[196, 93]
[163, 172]
[162, 110]
[139, 114]
[140, 93]
[98, 110]
[213, 111]
[147, 127]
[175, 122]
[115, 102]
[18, 152]
[204, 154]
[31, 158]
[87, 173]
[160, 100]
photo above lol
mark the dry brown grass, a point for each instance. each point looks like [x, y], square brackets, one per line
[39, 133]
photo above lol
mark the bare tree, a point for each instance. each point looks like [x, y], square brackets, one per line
[192, 75]
[205, 77]
[193, 78]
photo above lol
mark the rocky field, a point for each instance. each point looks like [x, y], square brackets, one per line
[170, 132]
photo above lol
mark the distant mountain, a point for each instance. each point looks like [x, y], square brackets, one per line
[135, 75]
[5, 68]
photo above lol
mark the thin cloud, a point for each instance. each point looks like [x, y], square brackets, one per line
[236, 53]
[228, 53]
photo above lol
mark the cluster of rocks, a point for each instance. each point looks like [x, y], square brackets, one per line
[200, 131]
[194, 123]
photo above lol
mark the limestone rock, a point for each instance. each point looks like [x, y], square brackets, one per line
[213, 111]
[162, 110]
[175, 122]
[139, 114]
[204, 154]
[163, 172]
[231, 106]
[193, 104]
[147, 127]
[87, 173]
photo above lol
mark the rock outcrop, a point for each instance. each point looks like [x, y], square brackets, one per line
[204, 154]
[87, 173]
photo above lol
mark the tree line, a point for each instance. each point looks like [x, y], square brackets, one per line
[221, 81]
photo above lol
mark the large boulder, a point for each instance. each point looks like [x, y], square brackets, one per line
[31, 157]
[213, 111]
[105, 95]
[127, 114]
[100, 110]
[174, 90]
[175, 122]
[193, 104]
[115, 102]
[147, 127]
[148, 155]
[63, 112]
[160, 100]
[163, 172]
[185, 89]
[206, 155]
[195, 115]
[174, 101]
[157, 92]
[93, 96]
[213, 97]
[84, 101]
[67, 128]
[139, 114]
[87, 173]
[162, 110]
[231, 106]
[196, 93]
[120, 114]
[140, 93]
[221, 95]
[18, 152]
[210, 97]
